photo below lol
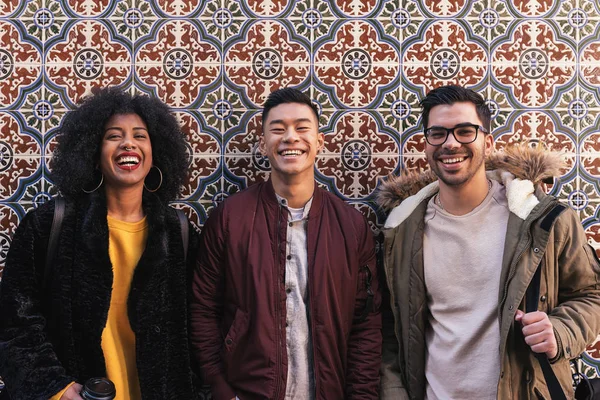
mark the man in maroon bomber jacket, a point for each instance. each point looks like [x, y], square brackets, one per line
[285, 292]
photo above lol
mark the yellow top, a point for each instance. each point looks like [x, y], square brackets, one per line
[126, 243]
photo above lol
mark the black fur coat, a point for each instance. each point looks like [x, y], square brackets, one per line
[50, 332]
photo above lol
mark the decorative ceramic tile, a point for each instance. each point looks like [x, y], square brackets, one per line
[9, 8]
[444, 52]
[533, 63]
[243, 171]
[592, 229]
[450, 9]
[132, 19]
[84, 56]
[222, 20]
[535, 8]
[19, 178]
[178, 8]
[414, 163]
[359, 152]
[241, 140]
[90, 8]
[266, 56]
[16, 138]
[265, 8]
[178, 63]
[358, 65]
[43, 19]
[20, 64]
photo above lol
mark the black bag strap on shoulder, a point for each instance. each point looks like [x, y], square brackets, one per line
[531, 304]
[185, 232]
[59, 214]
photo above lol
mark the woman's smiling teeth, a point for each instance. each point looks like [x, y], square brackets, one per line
[128, 160]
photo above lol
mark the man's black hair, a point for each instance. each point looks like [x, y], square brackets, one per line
[456, 94]
[288, 95]
[80, 135]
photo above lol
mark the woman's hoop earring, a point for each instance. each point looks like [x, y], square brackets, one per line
[159, 183]
[97, 187]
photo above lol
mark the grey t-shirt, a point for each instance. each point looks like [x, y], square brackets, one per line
[462, 261]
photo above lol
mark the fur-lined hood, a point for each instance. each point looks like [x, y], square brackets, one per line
[519, 168]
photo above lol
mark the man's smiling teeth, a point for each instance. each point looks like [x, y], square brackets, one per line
[452, 160]
[291, 152]
[128, 160]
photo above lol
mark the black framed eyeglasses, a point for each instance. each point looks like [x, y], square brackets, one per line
[463, 133]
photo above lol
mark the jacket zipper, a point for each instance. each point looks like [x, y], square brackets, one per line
[393, 303]
[513, 267]
[277, 306]
[312, 319]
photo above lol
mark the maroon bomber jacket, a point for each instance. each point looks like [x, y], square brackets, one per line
[238, 301]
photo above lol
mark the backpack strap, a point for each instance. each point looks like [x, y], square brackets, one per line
[531, 304]
[59, 213]
[185, 232]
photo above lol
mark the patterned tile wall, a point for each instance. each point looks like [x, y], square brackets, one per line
[365, 62]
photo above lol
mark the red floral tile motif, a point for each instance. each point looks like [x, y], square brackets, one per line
[533, 64]
[590, 63]
[20, 156]
[267, 8]
[444, 55]
[537, 128]
[445, 8]
[589, 154]
[245, 138]
[594, 349]
[205, 153]
[536, 8]
[16, 142]
[356, 65]
[245, 169]
[415, 163]
[267, 59]
[593, 235]
[177, 63]
[17, 167]
[357, 155]
[8, 223]
[591, 143]
[178, 8]
[356, 8]
[19, 64]
[242, 157]
[89, 8]
[7, 7]
[414, 145]
[87, 58]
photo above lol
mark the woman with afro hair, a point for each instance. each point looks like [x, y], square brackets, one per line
[115, 302]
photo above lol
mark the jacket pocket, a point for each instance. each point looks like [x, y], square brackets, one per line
[236, 332]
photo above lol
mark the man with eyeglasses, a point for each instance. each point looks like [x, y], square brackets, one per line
[459, 255]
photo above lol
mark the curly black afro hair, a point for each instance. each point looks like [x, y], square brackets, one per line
[80, 136]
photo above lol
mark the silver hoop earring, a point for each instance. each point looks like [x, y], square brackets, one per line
[159, 183]
[97, 187]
